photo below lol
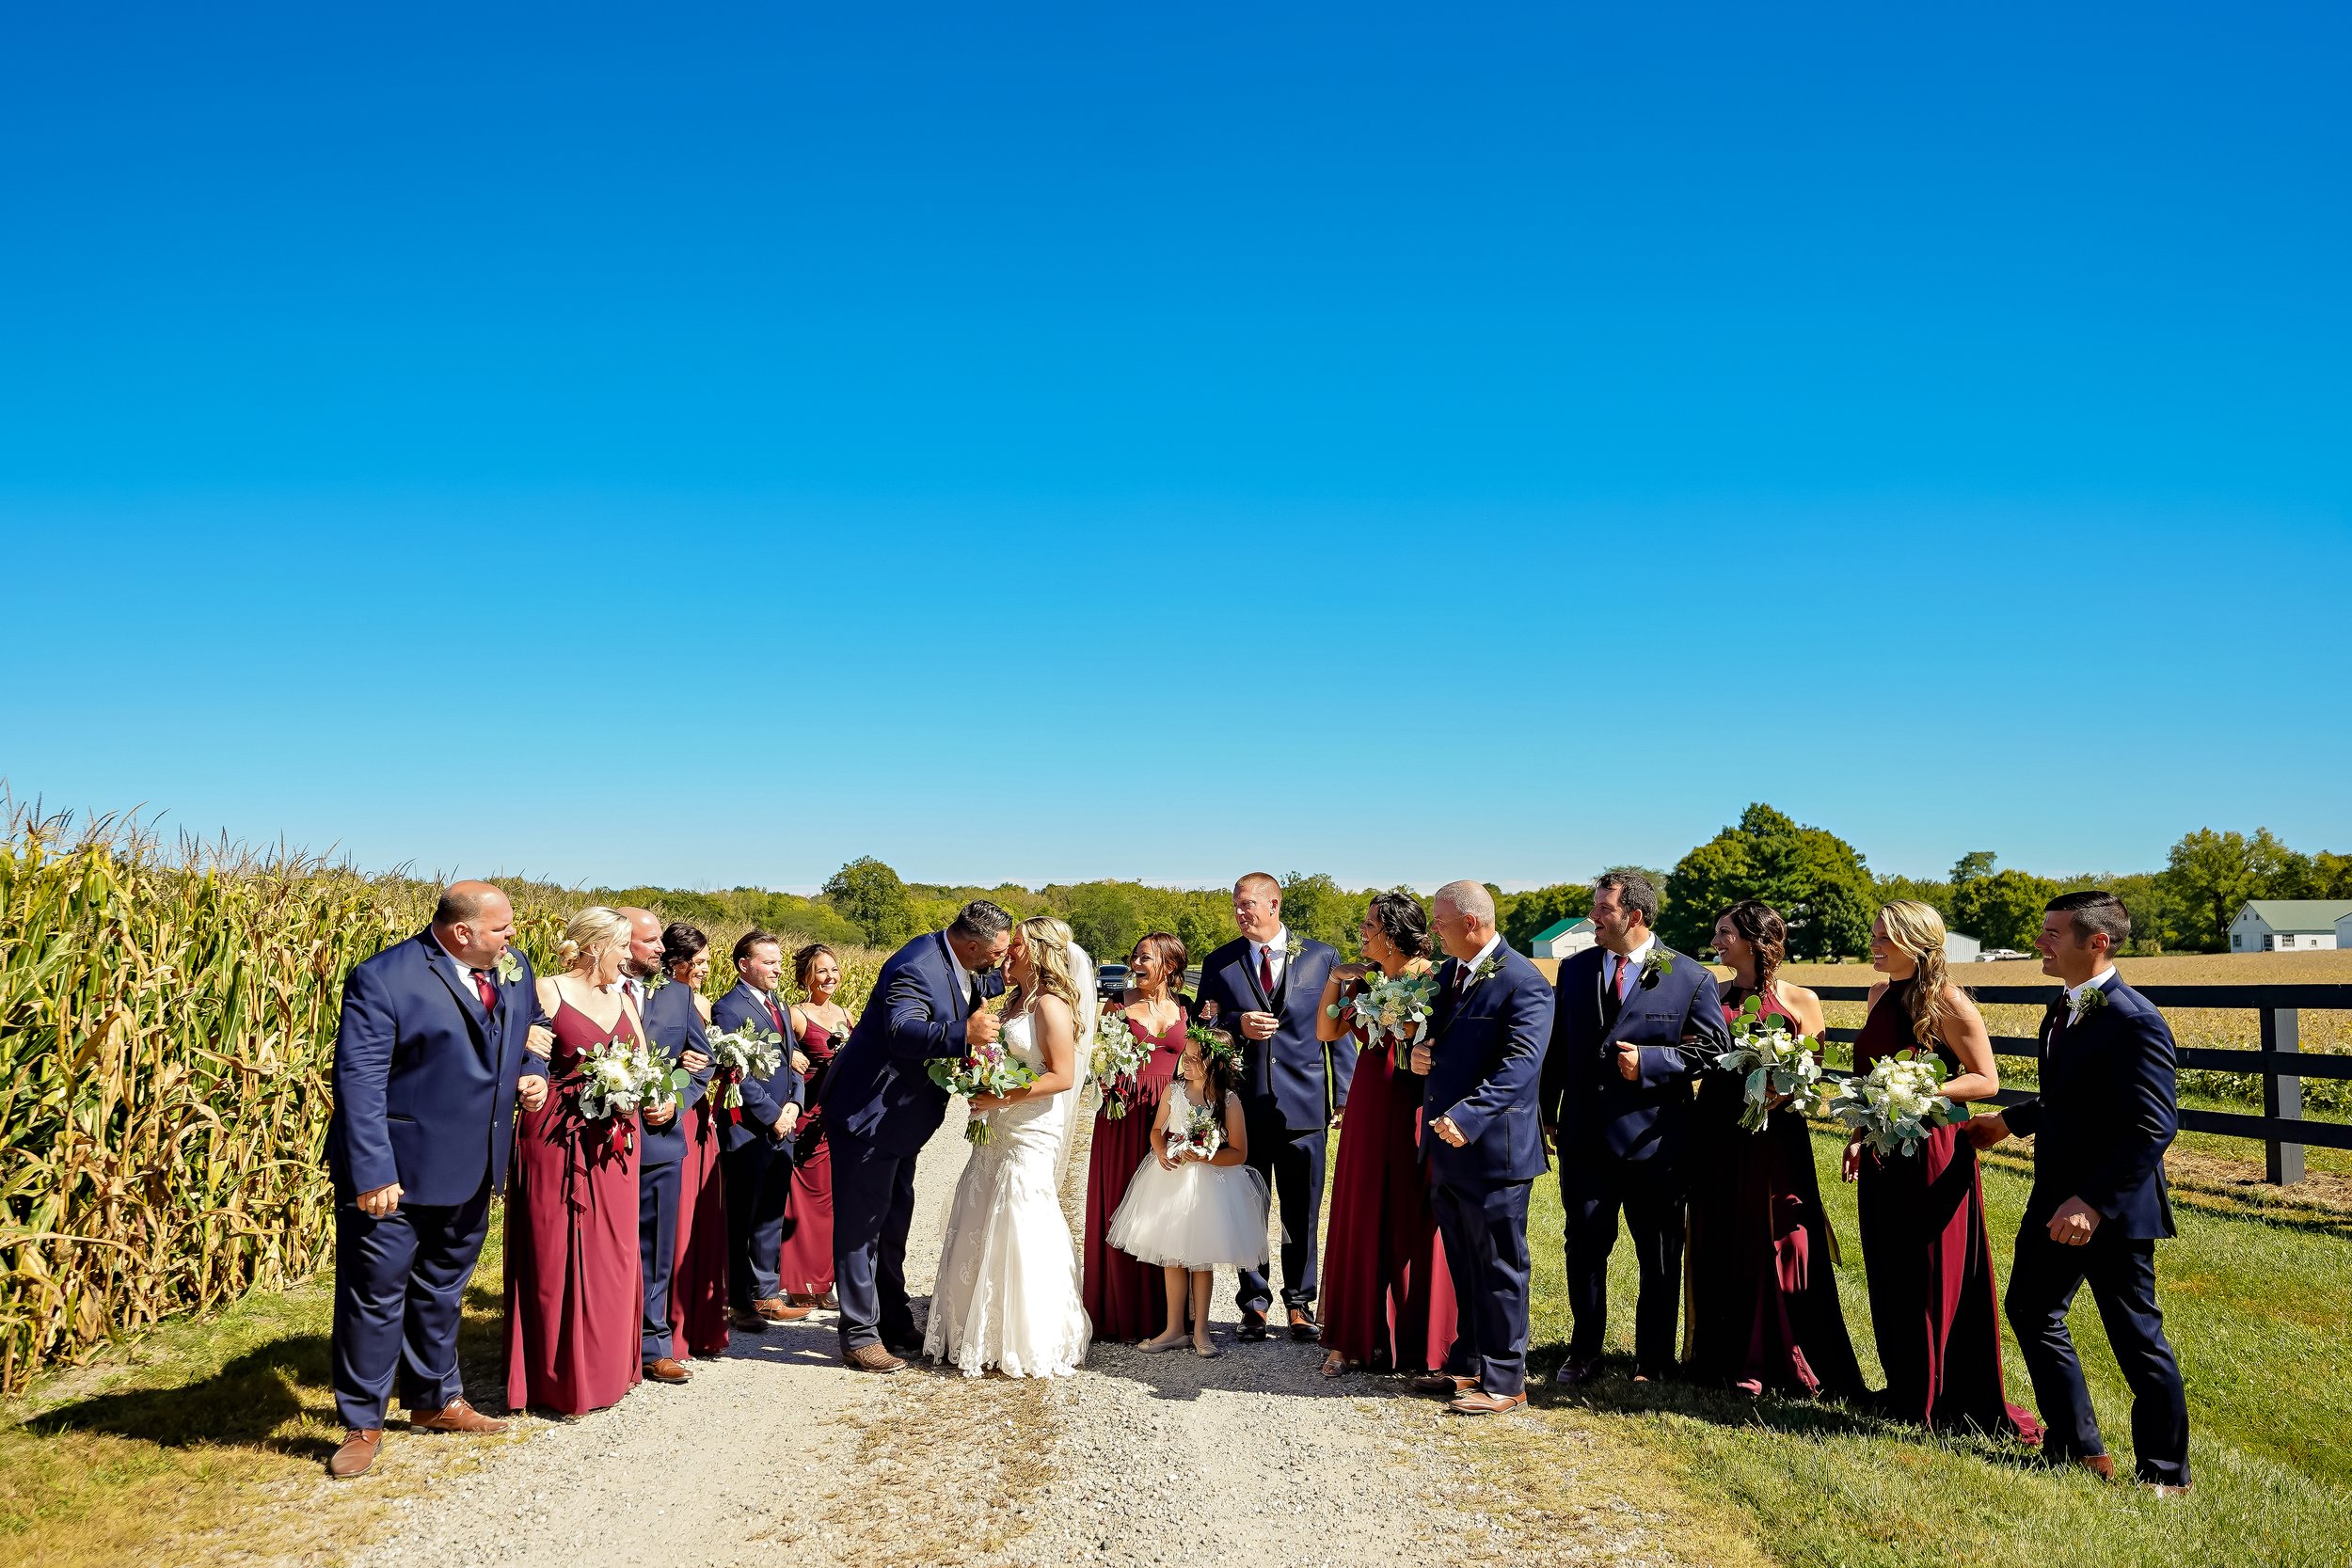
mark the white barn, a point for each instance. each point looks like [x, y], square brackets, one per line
[2289, 925]
[1959, 949]
[1562, 939]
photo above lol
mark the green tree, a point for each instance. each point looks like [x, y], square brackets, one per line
[1315, 906]
[2212, 874]
[2002, 908]
[1816, 879]
[1524, 914]
[869, 895]
[1974, 863]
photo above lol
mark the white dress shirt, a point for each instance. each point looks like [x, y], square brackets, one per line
[1483, 953]
[1276, 955]
[2097, 982]
[465, 972]
[1611, 963]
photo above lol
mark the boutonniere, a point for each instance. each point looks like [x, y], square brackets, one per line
[1292, 945]
[2087, 1000]
[1656, 964]
[1487, 971]
[655, 983]
[510, 968]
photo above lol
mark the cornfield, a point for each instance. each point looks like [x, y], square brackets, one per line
[166, 1025]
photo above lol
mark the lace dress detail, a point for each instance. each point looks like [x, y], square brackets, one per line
[1007, 1296]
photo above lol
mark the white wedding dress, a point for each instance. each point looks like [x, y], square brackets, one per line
[1007, 1295]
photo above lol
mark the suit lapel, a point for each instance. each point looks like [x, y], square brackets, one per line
[471, 1007]
[1248, 968]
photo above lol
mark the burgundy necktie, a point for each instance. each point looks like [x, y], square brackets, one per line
[774, 1012]
[488, 992]
[1625, 978]
[1266, 971]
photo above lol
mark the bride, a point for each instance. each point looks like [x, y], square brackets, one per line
[1006, 1294]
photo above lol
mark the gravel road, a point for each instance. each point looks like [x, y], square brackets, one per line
[1137, 1459]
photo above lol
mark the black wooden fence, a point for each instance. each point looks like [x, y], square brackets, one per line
[2281, 1063]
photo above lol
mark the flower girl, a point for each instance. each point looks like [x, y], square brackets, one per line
[1202, 1208]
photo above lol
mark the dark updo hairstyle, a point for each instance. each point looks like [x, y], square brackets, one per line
[1764, 931]
[681, 943]
[1403, 922]
[804, 963]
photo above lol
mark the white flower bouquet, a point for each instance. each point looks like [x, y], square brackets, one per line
[738, 1054]
[1114, 1062]
[1894, 1105]
[1201, 1137]
[981, 1069]
[1777, 1062]
[619, 1077]
[1391, 1009]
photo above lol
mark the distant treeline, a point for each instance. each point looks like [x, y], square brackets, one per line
[1819, 880]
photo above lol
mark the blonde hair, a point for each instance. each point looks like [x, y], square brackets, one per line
[1919, 930]
[587, 934]
[1048, 943]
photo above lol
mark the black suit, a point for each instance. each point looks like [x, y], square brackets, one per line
[2100, 1126]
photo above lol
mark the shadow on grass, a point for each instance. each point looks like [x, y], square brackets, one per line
[1614, 1392]
[248, 1402]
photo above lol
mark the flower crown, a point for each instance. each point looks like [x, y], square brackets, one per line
[1215, 1044]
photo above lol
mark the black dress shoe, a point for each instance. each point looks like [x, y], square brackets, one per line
[1576, 1375]
[1252, 1328]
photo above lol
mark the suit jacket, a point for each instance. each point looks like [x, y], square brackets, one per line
[672, 1025]
[1485, 1068]
[2105, 1116]
[423, 1081]
[763, 1102]
[1599, 1113]
[880, 1089]
[1291, 1072]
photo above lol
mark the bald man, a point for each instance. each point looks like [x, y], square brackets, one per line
[430, 1059]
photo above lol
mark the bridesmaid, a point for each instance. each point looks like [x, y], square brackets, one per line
[1764, 1311]
[1934, 1305]
[1127, 1299]
[820, 1026]
[574, 1288]
[1388, 1299]
[698, 1287]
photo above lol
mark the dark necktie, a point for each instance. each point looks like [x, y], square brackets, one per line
[1266, 971]
[774, 1012]
[483, 988]
[1625, 979]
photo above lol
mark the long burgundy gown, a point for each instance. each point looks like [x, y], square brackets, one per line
[1388, 1300]
[1764, 1311]
[805, 1265]
[1934, 1305]
[1126, 1299]
[575, 1286]
[698, 1284]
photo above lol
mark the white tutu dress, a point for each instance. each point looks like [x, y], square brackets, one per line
[1196, 1217]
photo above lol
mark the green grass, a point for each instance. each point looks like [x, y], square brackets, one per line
[2254, 1302]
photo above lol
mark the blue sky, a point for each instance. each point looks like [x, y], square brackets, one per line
[1041, 442]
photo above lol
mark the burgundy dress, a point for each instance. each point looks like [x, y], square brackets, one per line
[1934, 1305]
[1388, 1301]
[1764, 1311]
[575, 1287]
[1127, 1300]
[698, 1285]
[804, 1266]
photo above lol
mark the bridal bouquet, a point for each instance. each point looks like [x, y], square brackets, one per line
[1391, 1010]
[1114, 1062]
[981, 1069]
[737, 1052]
[619, 1077]
[1203, 1135]
[1777, 1062]
[1894, 1105]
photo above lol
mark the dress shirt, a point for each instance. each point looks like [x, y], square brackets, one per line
[2098, 981]
[1483, 953]
[1611, 964]
[1276, 954]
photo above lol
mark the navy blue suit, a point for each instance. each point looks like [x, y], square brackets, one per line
[754, 1160]
[881, 1108]
[424, 1080]
[1487, 1046]
[1290, 1083]
[2100, 1126]
[1621, 1141]
[674, 1024]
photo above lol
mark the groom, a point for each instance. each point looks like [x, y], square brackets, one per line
[881, 1105]
[1481, 1065]
[429, 1063]
[1267, 988]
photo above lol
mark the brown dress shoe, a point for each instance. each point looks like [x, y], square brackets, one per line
[1480, 1403]
[457, 1415]
[872, 1358]
[2166, 1489]
[777, 1310]
[1443, 1384]
[357, 1454]
[667, 1370]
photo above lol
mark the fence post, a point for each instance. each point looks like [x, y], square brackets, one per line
[2282, 1097]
